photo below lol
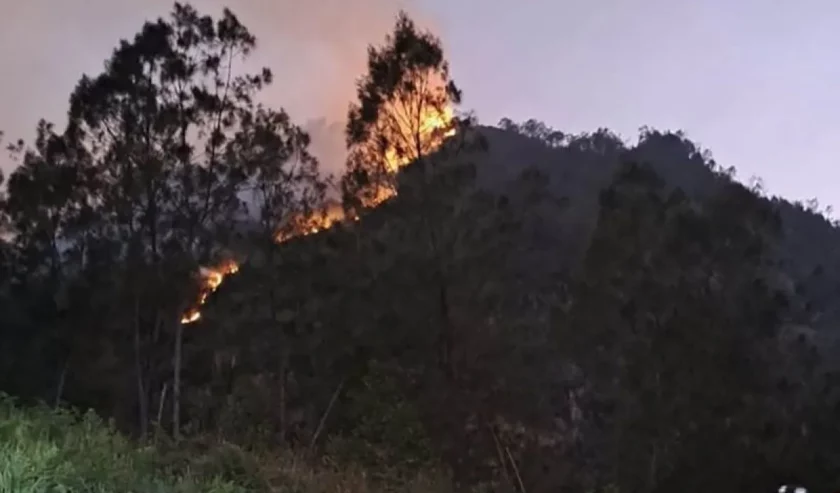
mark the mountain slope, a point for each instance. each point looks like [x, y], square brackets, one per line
[373, 313]
[584, 166]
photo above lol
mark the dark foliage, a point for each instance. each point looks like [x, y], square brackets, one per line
[523, 307]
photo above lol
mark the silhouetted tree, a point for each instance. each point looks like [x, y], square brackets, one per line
[404, 110]
[149, 173]
[535, 129]
[679, 326]
[286, 188]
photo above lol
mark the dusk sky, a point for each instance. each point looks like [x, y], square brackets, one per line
[756, 82]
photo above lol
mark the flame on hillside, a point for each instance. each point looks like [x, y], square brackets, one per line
[436, 126]
[211, 279]
[306, 224]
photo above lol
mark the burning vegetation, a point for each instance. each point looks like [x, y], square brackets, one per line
[395, 129]
[398, 125]
[211, 279]
[404, 113]
[435, 126]
[306, 224]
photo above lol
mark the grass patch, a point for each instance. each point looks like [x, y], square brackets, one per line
[45, 450]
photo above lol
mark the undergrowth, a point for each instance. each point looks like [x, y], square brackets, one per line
[45, 450]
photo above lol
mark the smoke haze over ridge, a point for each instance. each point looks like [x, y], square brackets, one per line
[755, 82]
[316, 51]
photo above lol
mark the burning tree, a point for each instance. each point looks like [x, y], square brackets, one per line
[439, 228]
[404, 118]
[404, 112]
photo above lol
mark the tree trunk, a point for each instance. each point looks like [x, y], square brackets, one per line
[284, 382]
[447, 337]
[161, 403]
[446, 334]
[59, 391]
[176, 381]
[323, 420]
[142, 396]
[283, 420]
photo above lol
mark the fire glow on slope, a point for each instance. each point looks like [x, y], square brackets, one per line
[211, 280]
[305, 225]
[435, 128]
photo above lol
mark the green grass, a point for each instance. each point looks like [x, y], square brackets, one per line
[44, 450]
[56, 451]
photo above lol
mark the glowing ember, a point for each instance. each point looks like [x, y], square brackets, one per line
[191, 316]
[212, 278]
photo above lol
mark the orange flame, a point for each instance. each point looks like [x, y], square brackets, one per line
[436, 127]
[305, 225]
[212, 278]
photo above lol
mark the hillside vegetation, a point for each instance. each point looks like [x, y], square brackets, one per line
[44, 450]
[467, 308]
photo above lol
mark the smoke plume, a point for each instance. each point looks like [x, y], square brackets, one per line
[316, 49]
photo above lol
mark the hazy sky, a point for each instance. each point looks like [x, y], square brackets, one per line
[757, 82]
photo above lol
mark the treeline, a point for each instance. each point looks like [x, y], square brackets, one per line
[446, 323]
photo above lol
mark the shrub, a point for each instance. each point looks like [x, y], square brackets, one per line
[48, 451]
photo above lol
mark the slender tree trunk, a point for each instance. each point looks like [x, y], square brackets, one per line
[283, 420]
[446, 334]
[142, 396]
[162, 403]
[326, 414]
[176, 380]
[446, 339]
[284, 383]
[59, 391]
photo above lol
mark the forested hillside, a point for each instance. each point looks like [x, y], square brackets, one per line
[508, 307]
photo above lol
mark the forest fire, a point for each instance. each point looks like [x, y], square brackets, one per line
[211, 279]
[436, 126]
[305, 225]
